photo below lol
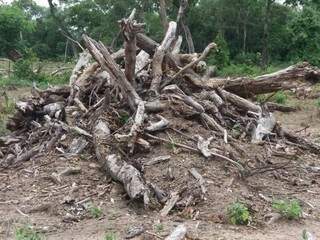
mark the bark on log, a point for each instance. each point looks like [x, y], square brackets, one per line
[103, 57]
[279, 107]
[146, 43]
[118, 169]
[158, 57]
[287, 78]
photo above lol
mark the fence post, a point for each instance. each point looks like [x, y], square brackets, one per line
[9, 68]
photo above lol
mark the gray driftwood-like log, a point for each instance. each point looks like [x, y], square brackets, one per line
[159, 55]
[281, 80]
[169, 204]
[118, 169]
[178, 233]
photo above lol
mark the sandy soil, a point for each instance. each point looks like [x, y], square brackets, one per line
[31, 195]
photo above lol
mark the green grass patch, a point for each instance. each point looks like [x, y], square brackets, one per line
[95, 211]
[158, 228]
[241, 70]
[288, 209]
[238, 214]
[27, 233]
[110, 236]
[281, 97]
[7, 108]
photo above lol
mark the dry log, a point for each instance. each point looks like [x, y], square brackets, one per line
[141, 61]
[271, 106]
[178, 233]
[157, 160]
[103, 57]
[158, 126]
[199, 178]
[191, 64]
[129, 30]
[169, 204]
[240, 102]
[82, 63]
[146, 43]
[177, 45]
[158, 57]
[287, 78]
[264, 127]
[118, 169]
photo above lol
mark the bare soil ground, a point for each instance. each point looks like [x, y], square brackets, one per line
[32, 195]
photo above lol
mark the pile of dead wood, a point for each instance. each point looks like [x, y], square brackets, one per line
[117, 104]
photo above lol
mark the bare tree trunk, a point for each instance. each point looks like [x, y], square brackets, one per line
[265, 41]
[60, 23]
[181, 23]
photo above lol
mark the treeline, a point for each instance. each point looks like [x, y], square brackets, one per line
[251, 32]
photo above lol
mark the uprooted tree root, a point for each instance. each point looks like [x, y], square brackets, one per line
[118, 114]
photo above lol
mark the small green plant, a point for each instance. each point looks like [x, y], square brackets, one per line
[110, 236]
[171, 146]
[124, 118]
[288, 209]
[27, 233]
[280, 97]
[318, 103]
[158, 227]
[95, 211]
[238, 214]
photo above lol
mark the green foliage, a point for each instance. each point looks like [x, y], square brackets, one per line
[22, 69]
[7, 108]
[13, 24]
[304, 29]
[280, 97]
[221, 57]
[27, 233]
[158, 227]
[246, 70]
[288, 209]
[318, 103]
[110, 236]
[95, 211]
[238, 214]
[124, 118]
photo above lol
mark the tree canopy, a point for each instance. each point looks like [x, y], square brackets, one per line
[252, 31]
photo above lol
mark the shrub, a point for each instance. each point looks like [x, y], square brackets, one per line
[27, 233]
[280, 97]
[238, 214]
[22, 69]
[288, 209]
[220, 58]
